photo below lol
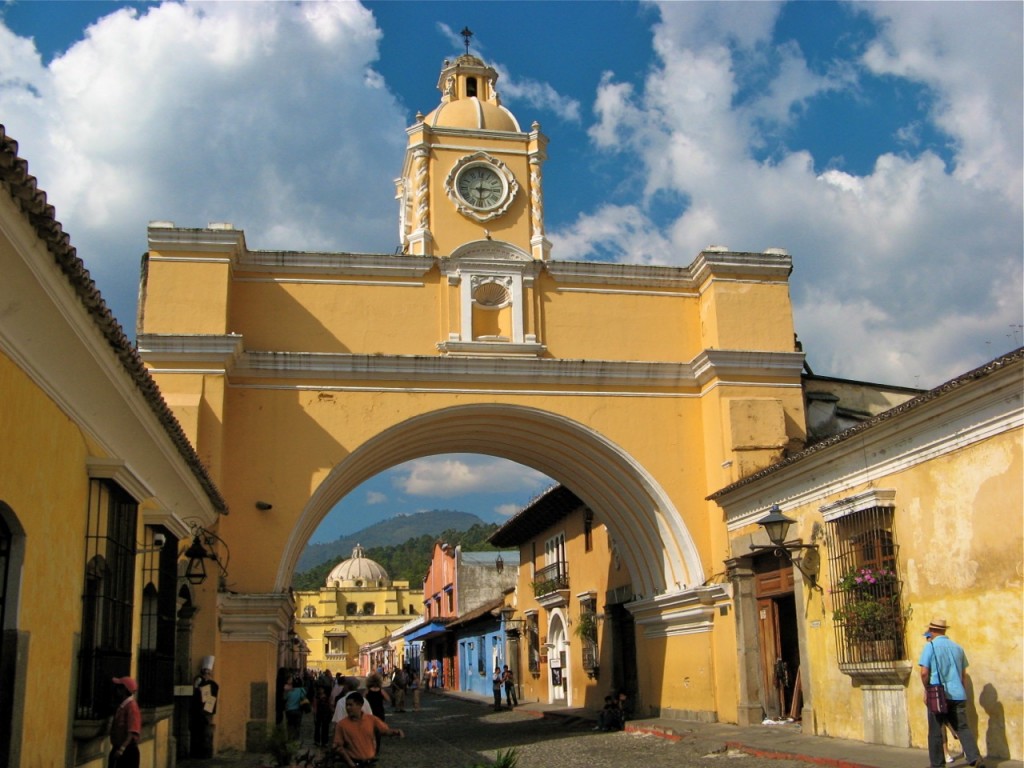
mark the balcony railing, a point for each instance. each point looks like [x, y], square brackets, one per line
[551, 578]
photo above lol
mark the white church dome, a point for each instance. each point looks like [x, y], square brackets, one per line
[357, 571]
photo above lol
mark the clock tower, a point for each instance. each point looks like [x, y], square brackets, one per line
[470, 172]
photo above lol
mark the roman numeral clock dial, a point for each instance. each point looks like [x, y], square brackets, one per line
[480, 187]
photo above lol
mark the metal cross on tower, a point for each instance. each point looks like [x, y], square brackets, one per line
[466, 34]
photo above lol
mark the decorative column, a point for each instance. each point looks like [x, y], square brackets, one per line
[252, 627]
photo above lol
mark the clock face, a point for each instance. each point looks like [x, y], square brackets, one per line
[480, 186]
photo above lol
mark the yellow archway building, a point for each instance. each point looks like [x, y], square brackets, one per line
[642, 388]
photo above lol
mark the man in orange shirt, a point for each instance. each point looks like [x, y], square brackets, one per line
[355, 735]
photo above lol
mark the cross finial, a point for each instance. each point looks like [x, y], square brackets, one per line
[466, 34]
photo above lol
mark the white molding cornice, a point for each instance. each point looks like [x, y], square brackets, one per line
[858, 502]
[610, 273]
[118, 471]
[254, 618]
[170, 238]
[373, 264]
[741, 364]
[214, 348]
[511, 364]
[691, 611]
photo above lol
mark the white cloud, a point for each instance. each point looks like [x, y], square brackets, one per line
[909, 272]
[186, 113]
[533, 94]
[972, 56]
[507, 510]
[375, 497]
[453, 476]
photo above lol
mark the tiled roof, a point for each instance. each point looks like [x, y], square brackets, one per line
[21, 186]
[540, 514]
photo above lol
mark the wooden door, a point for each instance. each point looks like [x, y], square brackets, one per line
[771, 656]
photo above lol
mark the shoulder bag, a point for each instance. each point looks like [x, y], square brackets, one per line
[935, 695]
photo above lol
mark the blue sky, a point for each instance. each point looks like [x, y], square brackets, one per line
[879, 143]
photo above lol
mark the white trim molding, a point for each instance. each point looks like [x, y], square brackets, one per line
[874, 497]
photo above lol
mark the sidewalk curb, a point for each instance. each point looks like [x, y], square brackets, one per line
[773, 754]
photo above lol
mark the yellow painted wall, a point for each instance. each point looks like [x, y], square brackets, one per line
[391, 610]
[50, 501]
[727, 310]
[202, 308]
[594, 570]
[600, 322]
[960, 532]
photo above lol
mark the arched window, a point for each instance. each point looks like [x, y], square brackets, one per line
[470, 87]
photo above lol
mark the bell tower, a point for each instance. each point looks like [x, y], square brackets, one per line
[470, 196]
[470, 172]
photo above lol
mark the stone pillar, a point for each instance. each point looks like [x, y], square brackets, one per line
[748, 705]
[252, 627]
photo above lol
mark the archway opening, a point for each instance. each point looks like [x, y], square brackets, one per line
[652, 540]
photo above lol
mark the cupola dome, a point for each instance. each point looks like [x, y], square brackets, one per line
[357, 571]
[469, 99]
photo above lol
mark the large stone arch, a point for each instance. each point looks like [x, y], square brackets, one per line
[653, 541]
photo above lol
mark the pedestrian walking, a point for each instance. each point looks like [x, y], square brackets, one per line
[126, 725]
[414, 687]
[944, 663]
[295, 702]
[509, 681]
[356, 735]
[322, 715]
[399, 683]
[497, 680]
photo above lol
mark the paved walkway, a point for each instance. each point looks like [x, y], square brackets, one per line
[784, 742]
[560, 730]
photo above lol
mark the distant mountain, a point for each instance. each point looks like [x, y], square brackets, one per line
[390, 532]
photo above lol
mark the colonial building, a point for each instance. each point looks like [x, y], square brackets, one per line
[643, 389]
[456, 585]
[358, 606]
[570, 623]
[910, 515]
[100, 490]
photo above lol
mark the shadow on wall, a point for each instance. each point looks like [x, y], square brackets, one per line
[996, 744]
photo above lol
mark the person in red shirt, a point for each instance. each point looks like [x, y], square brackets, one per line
[355, 735]
[126, 725]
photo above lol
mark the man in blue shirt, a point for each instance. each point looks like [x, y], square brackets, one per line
[943, 661]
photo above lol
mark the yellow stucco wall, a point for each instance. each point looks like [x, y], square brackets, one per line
[666, 374]
[53, 564]
[958, 524]
[392, 606]
[49, 501]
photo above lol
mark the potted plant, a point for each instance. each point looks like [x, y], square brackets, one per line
[868, 608]
[586, 630]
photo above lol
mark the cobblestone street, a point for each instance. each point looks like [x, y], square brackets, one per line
[454, 733]
[449, 732]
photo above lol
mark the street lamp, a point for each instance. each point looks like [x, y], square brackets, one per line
[776, 525]
[195, 571]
